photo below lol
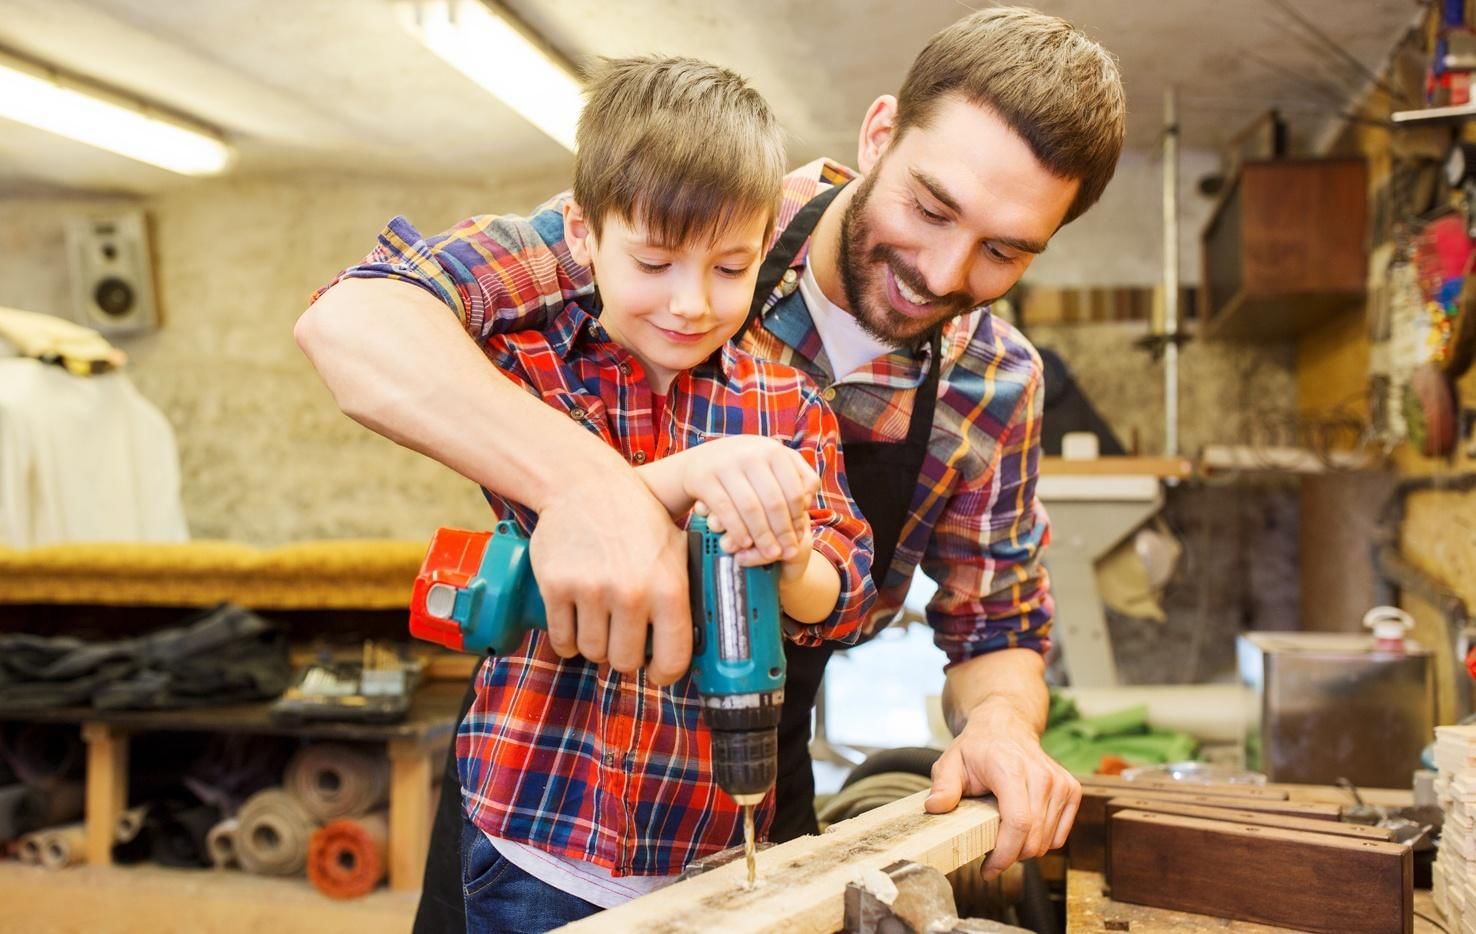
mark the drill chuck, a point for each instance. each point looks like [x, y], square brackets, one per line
[745, 742]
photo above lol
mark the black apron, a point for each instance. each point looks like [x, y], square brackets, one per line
[883, 478]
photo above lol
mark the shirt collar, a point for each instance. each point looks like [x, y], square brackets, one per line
[577, 329]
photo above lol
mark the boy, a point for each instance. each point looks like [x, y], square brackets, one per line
[583, 787]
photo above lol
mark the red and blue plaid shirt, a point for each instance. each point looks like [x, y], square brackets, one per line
[573, 757]
[975, 525]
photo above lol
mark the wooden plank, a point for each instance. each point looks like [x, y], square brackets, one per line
[1311, 881]
[801, 884]
[1119, 466]
[1087, 845]
[1166, 805]
[1221, 789]
[107, 788]
[1089, 909]
[409, 812]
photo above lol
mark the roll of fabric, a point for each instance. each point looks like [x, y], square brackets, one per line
[220, 843]
[274, 833]
[12, 811]
[63, 846]
[348, 857]
[43, 754]
[180, 835]
[59, 803]
[130, 822]
[28, 850]
[333, 780]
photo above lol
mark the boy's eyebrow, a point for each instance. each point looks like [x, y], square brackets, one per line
[936, 189]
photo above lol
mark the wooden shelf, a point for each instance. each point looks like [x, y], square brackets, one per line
[413, 746]
[1431, 115]
[1178, 467]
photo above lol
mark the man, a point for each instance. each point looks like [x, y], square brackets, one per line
[1008, 125]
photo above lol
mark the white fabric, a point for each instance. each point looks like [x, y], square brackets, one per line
[583, 880]
[83, 459]
[847, 346]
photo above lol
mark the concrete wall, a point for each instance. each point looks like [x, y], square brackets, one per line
[266, 456]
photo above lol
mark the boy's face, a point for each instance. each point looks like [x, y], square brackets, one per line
[949, 216]
[670, 306]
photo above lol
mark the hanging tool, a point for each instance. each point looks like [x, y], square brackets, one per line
[475, 593]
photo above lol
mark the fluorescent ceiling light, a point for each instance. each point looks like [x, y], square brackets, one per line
[503, 57]
[42, 98]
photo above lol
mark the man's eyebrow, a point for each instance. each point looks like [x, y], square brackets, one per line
[936, 189]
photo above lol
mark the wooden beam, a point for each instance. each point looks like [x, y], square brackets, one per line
[1308, 881]
[1166, 805]
[801, 884]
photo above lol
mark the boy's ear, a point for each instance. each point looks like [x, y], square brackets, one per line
[577, 235]
[877, 131]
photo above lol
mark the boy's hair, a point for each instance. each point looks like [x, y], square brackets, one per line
[1059, 90]
[681, 147]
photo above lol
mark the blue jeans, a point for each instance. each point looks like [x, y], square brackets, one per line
[501, 897]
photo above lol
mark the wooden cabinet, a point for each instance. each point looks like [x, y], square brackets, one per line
[1285, 249]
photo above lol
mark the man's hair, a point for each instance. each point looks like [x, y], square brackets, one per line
[681, 147]
[1059, 90]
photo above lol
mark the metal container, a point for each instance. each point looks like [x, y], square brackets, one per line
[1327, 706]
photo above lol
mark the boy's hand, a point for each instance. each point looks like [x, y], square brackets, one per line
[758, 491]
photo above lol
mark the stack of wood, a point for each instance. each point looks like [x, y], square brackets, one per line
[1455, 788]
[1243, 852]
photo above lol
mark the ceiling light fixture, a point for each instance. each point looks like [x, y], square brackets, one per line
[488, 45]
[44, 98]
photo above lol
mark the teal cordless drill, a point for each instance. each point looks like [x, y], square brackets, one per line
[476, 593]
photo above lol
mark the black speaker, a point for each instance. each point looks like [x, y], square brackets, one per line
[112, 274]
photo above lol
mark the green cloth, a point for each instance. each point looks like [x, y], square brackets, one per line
[1079, 743]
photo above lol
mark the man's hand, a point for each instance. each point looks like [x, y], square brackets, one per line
[998, 751]
[608, 559]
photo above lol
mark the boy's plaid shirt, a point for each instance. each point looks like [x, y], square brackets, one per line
[573, 757]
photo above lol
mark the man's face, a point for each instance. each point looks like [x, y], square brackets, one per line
[947, 218]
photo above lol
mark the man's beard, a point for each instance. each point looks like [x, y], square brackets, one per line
[866, 291]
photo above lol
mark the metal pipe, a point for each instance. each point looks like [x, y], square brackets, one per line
[1170, 333]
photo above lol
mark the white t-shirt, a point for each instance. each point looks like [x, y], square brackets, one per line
[848, 346]
[581, 879]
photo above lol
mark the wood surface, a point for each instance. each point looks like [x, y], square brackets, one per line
[1089, 910]
[1087, 845]
[1310, 881]
[1167, 805]
[801, 884]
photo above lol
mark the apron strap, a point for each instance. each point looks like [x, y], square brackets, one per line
[777, 263]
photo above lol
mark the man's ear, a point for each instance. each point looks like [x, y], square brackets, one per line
[577, 234]
[878, 130]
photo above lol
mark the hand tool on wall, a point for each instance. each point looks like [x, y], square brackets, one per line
[475, 593]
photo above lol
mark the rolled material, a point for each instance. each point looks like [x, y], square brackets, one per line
[43, 755]
[130, 822]
[348, 857]
[12, 805]
[333, 780]
[28, 850]
[274, 832]
[220, 843]
[63, 846]
[60, 803]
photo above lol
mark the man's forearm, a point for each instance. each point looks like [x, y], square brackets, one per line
[397, 362]
[1009, 684]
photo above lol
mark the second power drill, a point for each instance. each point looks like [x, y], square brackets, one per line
[475, 593]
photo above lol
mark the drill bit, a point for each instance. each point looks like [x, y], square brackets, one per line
[748, 841]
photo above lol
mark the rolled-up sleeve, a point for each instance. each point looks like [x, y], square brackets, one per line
[985, 552]
[497, 273]
[841, 535]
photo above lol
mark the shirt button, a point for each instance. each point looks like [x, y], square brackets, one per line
[640, 457]
[624, 368]
[828, 393]
[577, 414]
